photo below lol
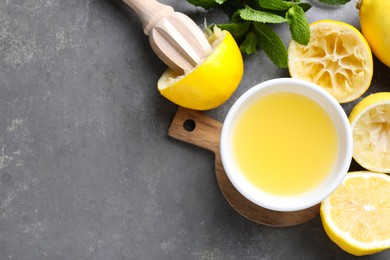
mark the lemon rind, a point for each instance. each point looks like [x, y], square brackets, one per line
[343, 239]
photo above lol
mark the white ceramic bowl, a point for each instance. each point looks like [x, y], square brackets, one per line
[304, 200]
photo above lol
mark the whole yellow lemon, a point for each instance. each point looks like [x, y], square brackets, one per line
[375, 24]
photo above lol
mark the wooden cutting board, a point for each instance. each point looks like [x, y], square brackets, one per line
[201, 130]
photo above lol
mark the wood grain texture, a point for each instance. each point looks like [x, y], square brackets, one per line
[207, 134]
[174, 37]
[150, 12]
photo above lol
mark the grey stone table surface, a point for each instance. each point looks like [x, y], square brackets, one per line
[87, 170]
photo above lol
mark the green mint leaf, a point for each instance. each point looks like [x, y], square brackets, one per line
[238, 30]
[206, 4]
[272, 45]
[250, 14]
[334, 2]
[299, 26]
[277, 5]
[248, 46]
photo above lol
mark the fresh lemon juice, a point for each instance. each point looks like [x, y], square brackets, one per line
[285, 144]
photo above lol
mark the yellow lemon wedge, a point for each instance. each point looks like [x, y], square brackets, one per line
[356, 216]
[370, 123]
[337, 58]
[212, 82]
[375, 23]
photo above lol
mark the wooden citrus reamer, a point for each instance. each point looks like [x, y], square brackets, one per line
[173, 36]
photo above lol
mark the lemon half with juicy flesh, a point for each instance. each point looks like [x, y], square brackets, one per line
[370, 123]
[337, 58]
[356, 216]
[212, 82]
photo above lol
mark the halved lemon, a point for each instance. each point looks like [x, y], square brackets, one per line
[337, 58]
[370, 123]
[356, 216]
[212, 82]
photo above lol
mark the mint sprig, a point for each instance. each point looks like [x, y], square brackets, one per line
[250, 20]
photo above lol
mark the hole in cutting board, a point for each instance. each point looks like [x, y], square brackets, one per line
[189, 125]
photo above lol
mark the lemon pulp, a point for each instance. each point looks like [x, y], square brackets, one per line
[370, 123]
[356, 216]
[337, 58]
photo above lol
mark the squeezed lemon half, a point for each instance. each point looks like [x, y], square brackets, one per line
[370, 123]
[337, 58]
[212, 82]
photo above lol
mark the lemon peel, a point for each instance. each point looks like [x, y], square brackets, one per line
[375, 23]
[212, 82]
